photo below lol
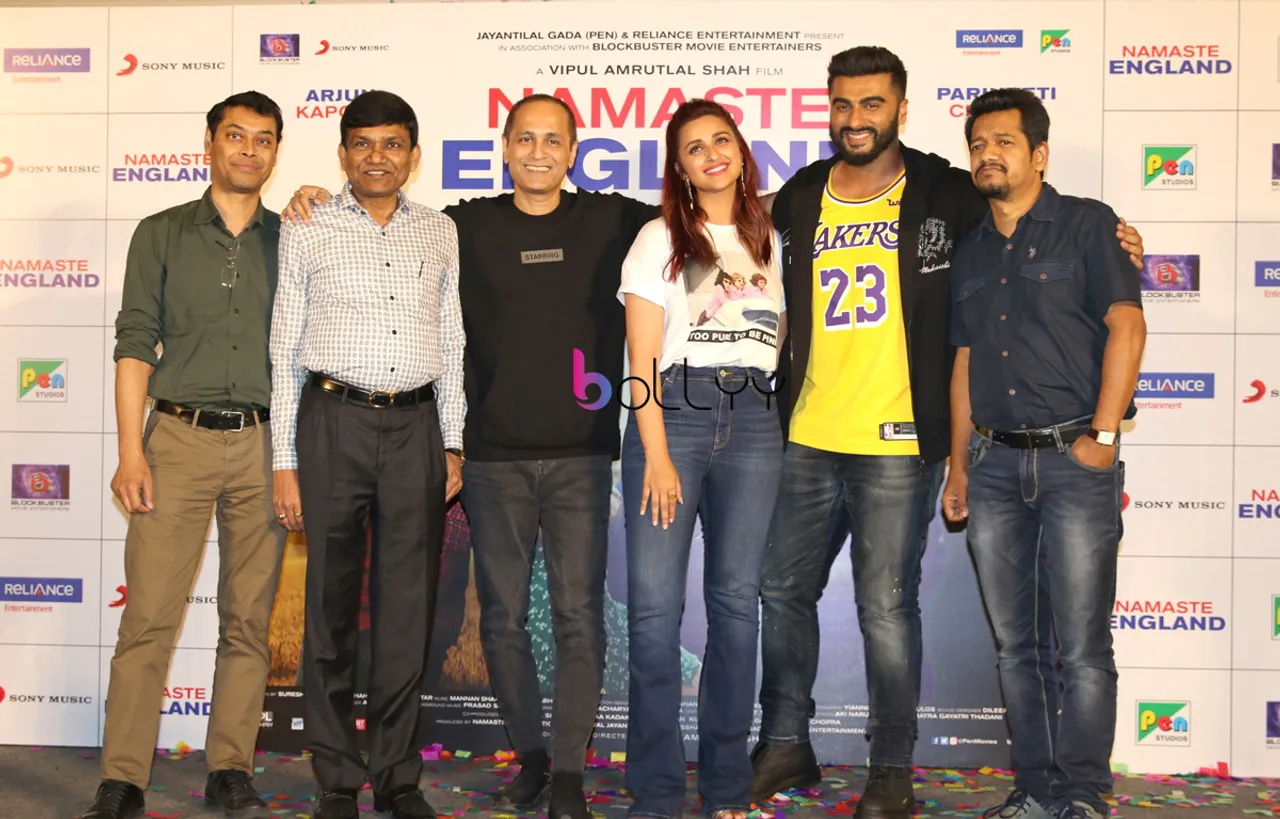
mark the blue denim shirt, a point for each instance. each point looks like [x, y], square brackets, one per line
[1030, 308]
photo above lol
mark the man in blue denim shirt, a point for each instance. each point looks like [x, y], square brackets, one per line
[1048, 310]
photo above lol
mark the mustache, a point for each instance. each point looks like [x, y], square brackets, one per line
[995, 165]
[856, 131]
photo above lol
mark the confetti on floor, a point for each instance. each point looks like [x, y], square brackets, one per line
[458, 782]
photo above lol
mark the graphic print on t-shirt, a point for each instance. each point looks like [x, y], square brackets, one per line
[731, 301]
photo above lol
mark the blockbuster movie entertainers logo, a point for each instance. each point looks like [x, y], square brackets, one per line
[1171, 278]
[41, 487]
[1164, 723]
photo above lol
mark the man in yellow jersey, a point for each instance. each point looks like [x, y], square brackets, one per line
[868, 237]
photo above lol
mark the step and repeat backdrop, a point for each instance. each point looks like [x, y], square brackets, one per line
[1168, 111]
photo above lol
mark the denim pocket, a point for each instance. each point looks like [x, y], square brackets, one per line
[1102, 470]
[979, 446]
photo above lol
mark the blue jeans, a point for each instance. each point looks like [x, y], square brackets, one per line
[887, 502]
[729, 458]
[1045, 531]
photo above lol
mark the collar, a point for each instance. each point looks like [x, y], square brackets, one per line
[1044, 209]
[207, 213]
[346, 200]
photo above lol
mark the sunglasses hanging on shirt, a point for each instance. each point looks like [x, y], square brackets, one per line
[229, 274]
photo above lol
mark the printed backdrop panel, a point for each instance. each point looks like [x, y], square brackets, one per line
[52, 272]
[48, 695]
[54, 489]
[1173, 613]
[1255, 723]
[162, 74]
[49, 590]
[1172, 720]
[1177, 501]
[55, 379]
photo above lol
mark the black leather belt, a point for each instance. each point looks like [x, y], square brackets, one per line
[1036, 438]
[219, 419]
[373, 398]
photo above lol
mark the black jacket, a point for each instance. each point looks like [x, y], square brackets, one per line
[939, 206]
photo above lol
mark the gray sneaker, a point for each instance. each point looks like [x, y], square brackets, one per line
[1078, 810]
[1019, 805]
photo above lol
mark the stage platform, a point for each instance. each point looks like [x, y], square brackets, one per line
[57, 783]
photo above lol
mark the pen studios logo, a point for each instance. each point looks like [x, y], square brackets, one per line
[1164, 723]
[279, 49]
[1055, 41]
[42, 381]
[1169, 167]
[1171, 278]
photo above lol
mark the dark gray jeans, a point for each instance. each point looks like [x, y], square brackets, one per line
[507, 502]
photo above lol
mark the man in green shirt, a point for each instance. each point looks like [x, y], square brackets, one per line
[199, 282]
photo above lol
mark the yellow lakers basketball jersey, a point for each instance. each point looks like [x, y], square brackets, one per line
[856, 396]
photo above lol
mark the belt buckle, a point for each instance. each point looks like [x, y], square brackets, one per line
[241, 414]
[380, 400]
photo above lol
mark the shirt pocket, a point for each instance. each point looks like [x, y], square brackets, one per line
[969, 300]
[1049, 288]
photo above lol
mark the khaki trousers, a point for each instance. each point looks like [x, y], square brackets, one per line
[196, 472]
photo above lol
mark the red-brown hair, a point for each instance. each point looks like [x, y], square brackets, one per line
[685, 218]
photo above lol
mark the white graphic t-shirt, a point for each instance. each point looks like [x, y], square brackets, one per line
[726, 315]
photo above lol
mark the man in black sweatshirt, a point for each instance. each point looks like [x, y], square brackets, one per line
[539, 276]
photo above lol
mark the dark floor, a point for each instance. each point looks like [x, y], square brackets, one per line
[58, 783]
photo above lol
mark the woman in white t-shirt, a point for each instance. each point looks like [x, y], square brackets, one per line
[705, 314]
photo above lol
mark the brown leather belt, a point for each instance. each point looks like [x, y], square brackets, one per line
[372, 398]
[225, 420]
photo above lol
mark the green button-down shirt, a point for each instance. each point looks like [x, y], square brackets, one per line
[214, 337]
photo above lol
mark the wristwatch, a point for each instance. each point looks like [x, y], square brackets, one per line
[1102, 436]
[458, 453]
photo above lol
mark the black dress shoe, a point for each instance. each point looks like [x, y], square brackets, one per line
[889, 794]
[407, 803]
[234, 793]
[781, 767]
[337, 804]
[116, 800]
[529, 788]
[568, 801]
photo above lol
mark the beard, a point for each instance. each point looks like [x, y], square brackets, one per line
[997, 188]
[880, 141]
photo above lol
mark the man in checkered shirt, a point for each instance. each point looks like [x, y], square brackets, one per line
[366, 347]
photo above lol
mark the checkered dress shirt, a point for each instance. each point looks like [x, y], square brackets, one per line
[376, 307]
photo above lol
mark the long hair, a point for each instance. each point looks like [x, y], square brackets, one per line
[685, 218]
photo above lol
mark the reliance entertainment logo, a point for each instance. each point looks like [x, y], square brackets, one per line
[988, 38]
[46, 60]
[1175, 385]
[42, 589]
